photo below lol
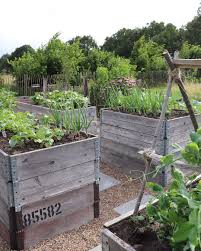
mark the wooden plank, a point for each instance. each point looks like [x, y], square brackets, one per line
[41, 187]
[127, 117]
[76, 209]
[119, 139]
[3, 190]
[4, 232]
[4, 166]
[4, 215]
[134, 135]
[187, 63]
[111, 242]
[182, 121]
[136, 127]
[38, 162]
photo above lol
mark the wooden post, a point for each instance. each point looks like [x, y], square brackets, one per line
[85, 87]
[180, 83]
[44, 84]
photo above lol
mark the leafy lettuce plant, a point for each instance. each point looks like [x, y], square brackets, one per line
[63, 99]
[7, 99]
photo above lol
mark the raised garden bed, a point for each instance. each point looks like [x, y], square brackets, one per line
[123, 135]
[24, 104]
[126, 233]
[48, 179]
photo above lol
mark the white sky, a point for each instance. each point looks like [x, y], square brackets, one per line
[35, 21]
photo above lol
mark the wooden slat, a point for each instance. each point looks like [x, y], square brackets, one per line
[38, 162]
[76, 209]
[44, 186]
[112, 242]
[138, 137]
[4, 214]
[187, 63]
[4, 166]
[127, 117]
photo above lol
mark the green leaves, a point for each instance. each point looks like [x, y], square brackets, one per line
[183, 232]
[155, 187]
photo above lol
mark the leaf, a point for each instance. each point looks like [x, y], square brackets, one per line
[167, 160]
[155, 187]
[177, 175]
[183, 232]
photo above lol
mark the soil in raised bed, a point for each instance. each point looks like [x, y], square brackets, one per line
[140, 235]
[173, 114]
[31, 145]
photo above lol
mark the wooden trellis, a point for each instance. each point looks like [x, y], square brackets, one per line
[174, 64]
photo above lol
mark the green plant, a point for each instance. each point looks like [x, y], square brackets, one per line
[60, 100]
[177, 214]
[22, 128]
[7, 99]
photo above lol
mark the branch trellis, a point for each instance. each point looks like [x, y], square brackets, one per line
[174, 75]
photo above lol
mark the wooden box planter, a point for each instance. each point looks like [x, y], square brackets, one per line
[24, 106]
[123, 135]
[110, 239]
[48, 191]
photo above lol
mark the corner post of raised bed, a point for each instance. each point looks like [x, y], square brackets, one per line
[97, 179]
[15, 212]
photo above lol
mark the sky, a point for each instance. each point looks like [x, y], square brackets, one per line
[34, 22]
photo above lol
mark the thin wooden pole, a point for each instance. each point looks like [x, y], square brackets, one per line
[178, 80]
[147, 159]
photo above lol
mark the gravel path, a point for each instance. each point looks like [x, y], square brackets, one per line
[88, 236]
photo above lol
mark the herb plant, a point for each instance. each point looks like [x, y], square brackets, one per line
[145, 102]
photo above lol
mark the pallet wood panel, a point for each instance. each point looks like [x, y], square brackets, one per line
[56, 188]
[76, 209]
[41, 110]
[38, 162]
[123, 135]
[40, 187]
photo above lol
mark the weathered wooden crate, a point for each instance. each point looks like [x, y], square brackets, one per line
[110, 240]
[46, 192]
[40, 110]
[123, 135]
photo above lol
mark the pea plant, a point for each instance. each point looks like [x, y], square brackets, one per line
[65, 99]
[177, 214]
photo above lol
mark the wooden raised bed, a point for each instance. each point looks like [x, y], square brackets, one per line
[124, 135]
[46, 192]
[110, 239]
[24, 106]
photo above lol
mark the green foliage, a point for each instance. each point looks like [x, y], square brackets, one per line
[71, 120]
[147, 55]
[102, 75]
[53, 58]
[192, 151]
[61, 99]
[20, 51]
[177, 213]
[86, 43]
[193, 31]
[121, 43]
[7, 99]
[145, 102]
[25, 128]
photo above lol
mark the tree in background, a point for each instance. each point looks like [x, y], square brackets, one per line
[121, 43]
[20, 51]
[87, 43]
[193, 31]
[166, 35]
[147, 55]
[54, 58]
[4, 65]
